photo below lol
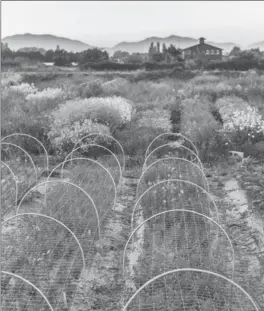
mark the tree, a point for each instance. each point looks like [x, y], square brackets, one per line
[120, 54]
[61, 58]
[135, 58]
[49, 56]
[5, 51]
[94, 55]
[172, 50]
[235, 51]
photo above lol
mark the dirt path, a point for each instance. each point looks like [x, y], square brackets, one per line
[101, 286]
[246, 230]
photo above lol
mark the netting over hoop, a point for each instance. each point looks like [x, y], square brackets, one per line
[44, 251]
[68, 203]
[18, 293]
[171, 168]
[22, 166]
[105, 140]
[173, 239]
[189, 290]
[172, 194]
[172, 149]
[172, 137]
[9, 190]
[109, 160]
[94, 178]
[31, 144]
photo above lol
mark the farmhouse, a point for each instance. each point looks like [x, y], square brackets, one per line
[202, 51]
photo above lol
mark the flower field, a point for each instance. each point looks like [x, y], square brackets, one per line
[78, 140]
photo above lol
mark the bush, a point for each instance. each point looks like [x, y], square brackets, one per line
[242, 123]
[110, 66]
[23, 88]
[92, 89]
[156, 119]
[200, 126]
[236, 64]
[114, 86]
[135, 140]
[80, 117]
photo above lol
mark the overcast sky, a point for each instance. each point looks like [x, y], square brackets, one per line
[107, 23]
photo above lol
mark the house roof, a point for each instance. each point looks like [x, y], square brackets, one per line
[197, 45]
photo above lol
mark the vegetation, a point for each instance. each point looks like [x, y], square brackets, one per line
[218, 112]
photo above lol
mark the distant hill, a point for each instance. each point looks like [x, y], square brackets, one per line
[259, 45]
[177, 41]
[46, 42]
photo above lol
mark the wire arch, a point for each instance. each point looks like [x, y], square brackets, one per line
[15, 179]
[93, 161]
[30, 158]
[68, 183]
[181, 210]
[172, 158]
[31, 284]
[190, 270]
[96, 145]
[172, 180]
[30, 136]
[169, 144]
[53, 219]
[173, 134]
[92, 134]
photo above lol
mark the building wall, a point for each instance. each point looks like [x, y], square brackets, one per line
[204, 52]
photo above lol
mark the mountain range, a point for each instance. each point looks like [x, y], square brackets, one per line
[47, 41]
[177, 41]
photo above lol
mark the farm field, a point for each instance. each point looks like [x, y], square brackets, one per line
[132, 191]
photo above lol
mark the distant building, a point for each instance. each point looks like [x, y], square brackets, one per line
[202, 51]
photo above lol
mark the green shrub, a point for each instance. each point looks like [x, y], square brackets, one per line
[92, 89]
[200, 126]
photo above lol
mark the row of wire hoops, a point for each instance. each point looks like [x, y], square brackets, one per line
[68, 158]
[135, 228]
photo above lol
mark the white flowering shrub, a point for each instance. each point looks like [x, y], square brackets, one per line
[123, 105]
[81, 109]
[63, 137]
[79, 117]
[241, 122]
[24, 88]
[9, 79]
[156, 118]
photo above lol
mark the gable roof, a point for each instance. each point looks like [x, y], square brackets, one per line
[198, 45]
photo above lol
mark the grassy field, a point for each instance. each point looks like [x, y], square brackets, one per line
[222, 114]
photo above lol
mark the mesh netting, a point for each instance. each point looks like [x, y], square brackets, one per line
[177, 256]
[189, 290]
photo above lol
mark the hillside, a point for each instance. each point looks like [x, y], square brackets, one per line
[179, 42]
[44, 41]
[259, 45]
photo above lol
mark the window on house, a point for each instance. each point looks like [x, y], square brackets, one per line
[207, 52]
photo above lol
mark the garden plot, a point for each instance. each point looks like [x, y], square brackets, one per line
[58, 235]
[165, 235]
[172, 233]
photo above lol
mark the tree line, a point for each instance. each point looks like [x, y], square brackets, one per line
[60, 57]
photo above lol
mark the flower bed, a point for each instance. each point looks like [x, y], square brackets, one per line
[242, 123]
